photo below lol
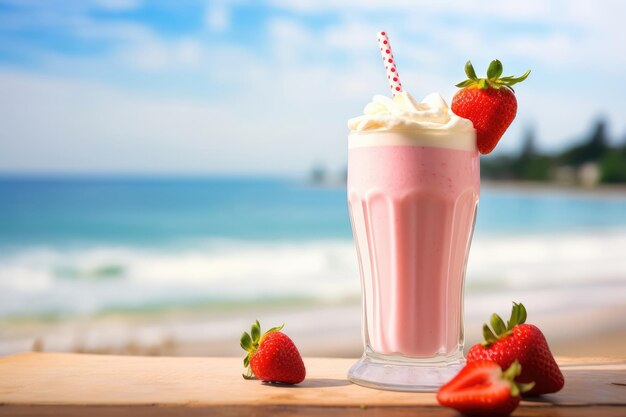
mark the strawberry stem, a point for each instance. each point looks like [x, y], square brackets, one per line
[494, 77]
[500, 331]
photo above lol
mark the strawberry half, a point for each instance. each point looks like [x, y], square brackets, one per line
[517, 341]
[482, 389]
[272, 357]
[489, 103]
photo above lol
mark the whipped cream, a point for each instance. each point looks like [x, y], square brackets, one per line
[403, 112]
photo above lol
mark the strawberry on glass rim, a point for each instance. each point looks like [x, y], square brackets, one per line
[489, 103]
[525, 343]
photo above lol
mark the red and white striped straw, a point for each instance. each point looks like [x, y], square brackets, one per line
[390, 63]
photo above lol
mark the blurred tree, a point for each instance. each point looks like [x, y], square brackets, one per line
[498, 168]
[532, 165]
[527, 154]
[528, 147]
[613, 165]
[590, 150]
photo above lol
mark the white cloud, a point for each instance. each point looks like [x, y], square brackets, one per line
[293, 97]
[157, 55]
[115, 31]
[351, 35]
[60, 14]
[575, 30]
[86, 126]
[118, 4]
[290, 40]
[218, 17]
[67, 125]
[527, 9]
[556, 49]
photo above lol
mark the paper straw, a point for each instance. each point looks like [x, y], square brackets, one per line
[390, 63]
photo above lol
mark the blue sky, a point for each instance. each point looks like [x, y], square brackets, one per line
[236, 86]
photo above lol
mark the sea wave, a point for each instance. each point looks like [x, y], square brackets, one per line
[48, 280]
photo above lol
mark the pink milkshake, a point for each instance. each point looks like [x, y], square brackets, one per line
[413, 189]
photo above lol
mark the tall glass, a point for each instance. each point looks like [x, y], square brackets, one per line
[413, 198]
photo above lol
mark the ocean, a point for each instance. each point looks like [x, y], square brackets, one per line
[87, 246]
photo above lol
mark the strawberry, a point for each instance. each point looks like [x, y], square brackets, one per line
[489, 103]
[482, 389]
[272, 357]
[524, 343]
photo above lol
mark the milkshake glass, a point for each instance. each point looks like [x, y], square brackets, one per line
[413, 189]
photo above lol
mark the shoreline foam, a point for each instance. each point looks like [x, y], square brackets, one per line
[36, 282]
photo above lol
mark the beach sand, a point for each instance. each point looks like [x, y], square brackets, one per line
[331, 329]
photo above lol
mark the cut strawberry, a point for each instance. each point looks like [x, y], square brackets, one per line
[482, 389]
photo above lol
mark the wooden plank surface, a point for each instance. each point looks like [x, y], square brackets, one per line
[74, 384]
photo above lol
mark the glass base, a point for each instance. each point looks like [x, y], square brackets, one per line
[398, 373]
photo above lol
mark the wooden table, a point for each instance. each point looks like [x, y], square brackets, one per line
[46, 384]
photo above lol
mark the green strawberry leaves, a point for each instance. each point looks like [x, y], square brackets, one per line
[246, 341]
[500, 331]
[469, 71]
[495, 70]
[255, 330]
[488, 335]
[513, 372]
[498, 324]
[247, 344]
[518, 316]
[494, 77]
[465, 83]
[510, 80]
[251, 342]
[274, 329]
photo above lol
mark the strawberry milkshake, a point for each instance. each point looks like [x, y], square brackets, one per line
[413, 189]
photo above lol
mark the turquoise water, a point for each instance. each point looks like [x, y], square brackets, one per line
[87, 246]
[147, 212]
[150, 212]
